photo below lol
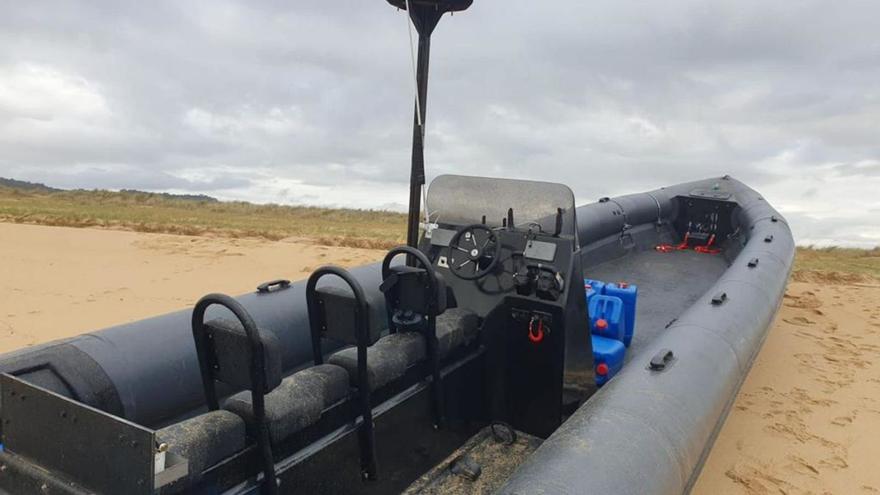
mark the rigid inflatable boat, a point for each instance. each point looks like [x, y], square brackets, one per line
[518, 344]
[125, 410]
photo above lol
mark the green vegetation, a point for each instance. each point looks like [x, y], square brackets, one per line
[203, 215]
[149, 212]
[835, 262]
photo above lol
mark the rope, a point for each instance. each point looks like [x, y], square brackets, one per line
[412, 56]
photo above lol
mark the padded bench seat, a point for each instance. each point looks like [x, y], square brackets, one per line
[297, 402]
[205, 440]
[390, 357]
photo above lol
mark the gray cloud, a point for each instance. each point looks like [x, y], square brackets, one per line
[311, 101]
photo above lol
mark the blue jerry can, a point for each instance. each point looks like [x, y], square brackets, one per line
[628, 293]
[607, 317]
[593, 288]
[608, 357]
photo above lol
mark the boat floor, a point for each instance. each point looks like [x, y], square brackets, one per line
[481, 465]
[668, 284]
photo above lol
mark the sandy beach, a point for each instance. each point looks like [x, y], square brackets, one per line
[807, 419]
[58, 281]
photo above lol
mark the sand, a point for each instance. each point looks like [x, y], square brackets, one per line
[807, 419]
[58, 282]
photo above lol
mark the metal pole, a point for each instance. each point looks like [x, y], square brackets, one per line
[417, 172]
[424, 14]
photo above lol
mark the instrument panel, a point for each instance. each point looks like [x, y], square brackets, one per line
[529, 263]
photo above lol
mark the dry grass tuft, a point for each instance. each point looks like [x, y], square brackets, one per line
[147, 212]
[366, 229]
[837, 265]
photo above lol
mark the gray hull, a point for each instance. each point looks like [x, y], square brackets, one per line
[645, 432]
[649, 432]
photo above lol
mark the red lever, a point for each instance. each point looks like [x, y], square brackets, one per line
[536, 336]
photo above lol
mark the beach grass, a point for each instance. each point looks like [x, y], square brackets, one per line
[857, 263]
[149, 212]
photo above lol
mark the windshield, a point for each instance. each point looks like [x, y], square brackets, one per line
[458, 199]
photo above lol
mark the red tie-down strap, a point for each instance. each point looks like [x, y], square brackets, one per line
[666, 248]
[707, 249]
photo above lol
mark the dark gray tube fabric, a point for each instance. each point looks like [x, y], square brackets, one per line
[153, 363]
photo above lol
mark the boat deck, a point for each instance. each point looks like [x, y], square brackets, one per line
[668, 284]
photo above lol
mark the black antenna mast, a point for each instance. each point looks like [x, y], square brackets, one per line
[425, 14]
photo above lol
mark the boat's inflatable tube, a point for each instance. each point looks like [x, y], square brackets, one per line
[147, 371]
[649, 432]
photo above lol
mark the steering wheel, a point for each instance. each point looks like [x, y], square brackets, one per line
[473, 252]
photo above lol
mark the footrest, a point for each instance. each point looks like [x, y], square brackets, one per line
[481, 465]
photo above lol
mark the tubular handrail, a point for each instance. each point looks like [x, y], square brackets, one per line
[317, 324]
[257, 374]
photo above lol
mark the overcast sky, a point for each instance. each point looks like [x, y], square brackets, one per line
[310, 102]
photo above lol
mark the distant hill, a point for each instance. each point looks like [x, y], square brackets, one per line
[27, 186]
[183, 197]
[38, 187]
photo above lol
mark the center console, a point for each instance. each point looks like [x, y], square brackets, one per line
[524, 279]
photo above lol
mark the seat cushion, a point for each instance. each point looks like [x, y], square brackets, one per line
[387, 359]
[205, 439]
[390, 357]
[298, 402]
[456, 327]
